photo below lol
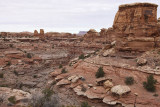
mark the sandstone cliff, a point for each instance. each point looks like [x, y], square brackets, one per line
[136, 27]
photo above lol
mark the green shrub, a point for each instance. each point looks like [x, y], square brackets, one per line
[11, 45]
[53, 83]
[81, 56]
[1, 75]
[129, 80]
[63, 70]
[29, 55]
[85, 104]
[60, 66]
[15, 72]
[9, 63]
[83, 89]
[48, 93]
[34, 76]
[4, 85]
[100, 73]
[52, 46]
[149, 85]
[12, 99]
[155, 95]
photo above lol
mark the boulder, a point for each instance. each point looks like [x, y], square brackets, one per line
[100, 81]
[74, 78]
[99, 93]
[109, 52]
[29, 84]
[63, 82]
[120, 90]
[141, 61]
[79, 91]
[108, 84]
[109, 100]
[20, 95]
[55, 73]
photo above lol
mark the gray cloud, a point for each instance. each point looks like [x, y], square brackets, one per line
[59, 15]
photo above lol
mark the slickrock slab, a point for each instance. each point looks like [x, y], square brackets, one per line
[19, 94]
[55, 73]
[63, 82]
[120, 90]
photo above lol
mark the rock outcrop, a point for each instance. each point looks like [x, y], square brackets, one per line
[35, 33]
[136, 26]
[91, 35]
[159, 20]
[120, 90]
[41, 32]
[135, 18]
[19, 95]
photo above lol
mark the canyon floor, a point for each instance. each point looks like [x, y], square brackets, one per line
[34, 66]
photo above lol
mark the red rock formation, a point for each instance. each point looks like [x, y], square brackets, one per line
[136, 25]
[91, 35]
[4, 34]
[35, 33]
[41, 32]
[135, 18]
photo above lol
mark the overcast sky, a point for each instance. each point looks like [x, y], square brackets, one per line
[60, 15]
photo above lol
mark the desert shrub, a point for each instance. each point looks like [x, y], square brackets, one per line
[129, 80]
[52, 46]
[149, 85]
[85, 104]
[100, 73]
[9, 63]
[69, 106]
[88, 56]
[15, 72]
[63, 70]
[4, 85]
[81, 56]
[1, 75]
[83, 89]
[155, 95]
[47, 93]
[53, 83]
[70, 64]
[39, 100]
[2, 98]
[60, 66]
[34, 76]
[11, 45]
[12, 99]
[29, 55]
